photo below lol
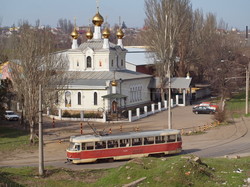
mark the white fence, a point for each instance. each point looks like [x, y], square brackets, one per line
[148, 113]
[131, 118]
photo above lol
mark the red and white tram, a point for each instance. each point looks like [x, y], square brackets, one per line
[89, 148]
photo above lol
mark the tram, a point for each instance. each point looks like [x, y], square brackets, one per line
[90, 148]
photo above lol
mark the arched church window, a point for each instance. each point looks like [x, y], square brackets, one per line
[67, 99]
[95, 98]
[89, 63]
[79, 98]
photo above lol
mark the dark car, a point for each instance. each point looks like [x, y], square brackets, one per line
[203, 110]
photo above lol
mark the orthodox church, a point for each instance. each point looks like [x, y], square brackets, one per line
[102, 80]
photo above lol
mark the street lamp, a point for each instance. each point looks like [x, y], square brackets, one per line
[177, 59]
[41, 156]
[247, 87]
[169, 98]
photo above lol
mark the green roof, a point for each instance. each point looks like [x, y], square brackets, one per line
[114, 96]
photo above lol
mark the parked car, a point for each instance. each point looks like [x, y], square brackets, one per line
[11, 116]
[209, 104]
[203, 110]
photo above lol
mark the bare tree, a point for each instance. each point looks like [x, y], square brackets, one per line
[66, 25]
[35, 65]
[165, 21]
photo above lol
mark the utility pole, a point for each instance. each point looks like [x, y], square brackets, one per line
[41, 160]
[247, 87]
[169, 98]
[247, 77]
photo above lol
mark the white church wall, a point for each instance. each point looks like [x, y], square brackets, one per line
[101, 62]
[113, 61]
[122, 60]
[137, 91]
[87, 100]
[76, 62]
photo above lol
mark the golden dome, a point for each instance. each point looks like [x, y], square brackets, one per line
[114, 83]
[97, 19]
[119, 33]
[74, 34]
[106, 33]
[89, 34]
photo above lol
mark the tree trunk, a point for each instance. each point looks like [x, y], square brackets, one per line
[162, 94]
[222, 103]
[32, 133]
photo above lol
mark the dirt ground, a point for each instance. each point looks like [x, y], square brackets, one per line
[56, 139]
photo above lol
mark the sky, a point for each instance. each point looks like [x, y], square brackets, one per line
[234, 12]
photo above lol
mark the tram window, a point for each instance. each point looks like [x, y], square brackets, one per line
[112, 143]
[171, 138]
[89, 146]
[124, 143]
[159, 139]
[83, 146]
[148, 140]
[104, 144]
[99, 145]
[136, 141]
[77, 147]
[71, 146]
[178, 137]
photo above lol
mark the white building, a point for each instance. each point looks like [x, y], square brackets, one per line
[101, 78]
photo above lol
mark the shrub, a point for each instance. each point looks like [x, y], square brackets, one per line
[76, 115]
[92, 115]
[220, 115]
[66, 114]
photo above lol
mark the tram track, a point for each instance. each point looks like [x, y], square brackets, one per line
[216, 149]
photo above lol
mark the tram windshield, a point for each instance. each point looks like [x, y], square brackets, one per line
[74, 146]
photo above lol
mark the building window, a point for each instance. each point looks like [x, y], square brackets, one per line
[140, 93]
[131, 95]
[77, 63]
[89, 63]
[79, 98]
[112, 63]
[117, 61]
[136, 94]
[67, 99]
[95, 98]
[121, 62]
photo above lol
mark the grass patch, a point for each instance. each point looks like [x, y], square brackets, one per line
[165, 171]
[192, 133]
[13, 139]
[236, 106]
[28, 176]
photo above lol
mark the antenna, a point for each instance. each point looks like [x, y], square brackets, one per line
[97, 5]
[246, 32]
[75, 21]
[89, 22]
[119, 21]
[106, 22]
